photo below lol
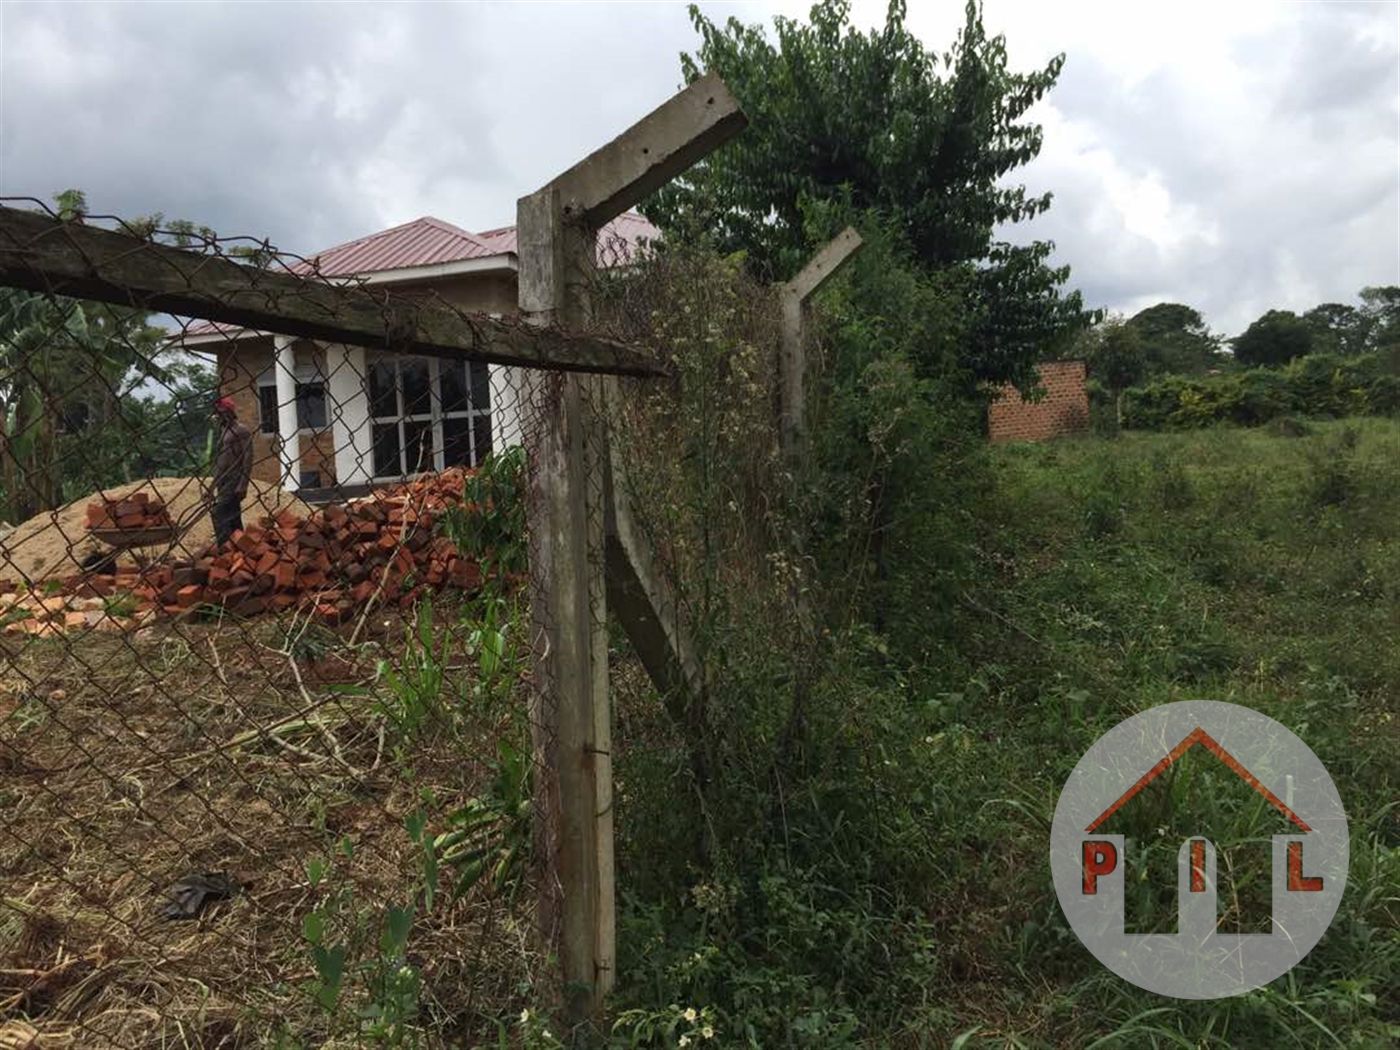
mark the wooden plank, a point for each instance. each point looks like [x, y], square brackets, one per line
[45, 254]
[668, 140]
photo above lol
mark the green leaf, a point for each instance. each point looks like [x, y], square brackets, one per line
[397, 923]
[330, 967]
[467, 876]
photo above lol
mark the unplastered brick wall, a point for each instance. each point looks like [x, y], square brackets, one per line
[238, 379]
[1063, 410]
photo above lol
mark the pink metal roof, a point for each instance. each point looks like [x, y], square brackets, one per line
[422, 242]
[429, 241]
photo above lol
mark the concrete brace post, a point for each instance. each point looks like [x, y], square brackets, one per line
[794, 297]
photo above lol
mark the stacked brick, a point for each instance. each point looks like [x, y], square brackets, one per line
[330, 564]
[134, 513]
[1063, 410]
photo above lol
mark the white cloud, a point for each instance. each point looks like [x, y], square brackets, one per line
[1237, 157]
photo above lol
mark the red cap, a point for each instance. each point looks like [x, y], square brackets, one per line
[226, 404]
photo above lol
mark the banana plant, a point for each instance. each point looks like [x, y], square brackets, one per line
[56, 355]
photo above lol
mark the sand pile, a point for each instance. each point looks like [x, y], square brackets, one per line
[54, 543]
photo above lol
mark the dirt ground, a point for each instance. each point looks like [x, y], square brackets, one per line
[52, 544]
[128, 762]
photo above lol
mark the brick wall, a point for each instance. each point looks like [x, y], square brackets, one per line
[1064, 409]
[240, 365]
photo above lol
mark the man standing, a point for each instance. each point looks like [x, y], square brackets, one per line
[232, 468]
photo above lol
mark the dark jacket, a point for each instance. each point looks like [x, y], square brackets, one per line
[234, 464]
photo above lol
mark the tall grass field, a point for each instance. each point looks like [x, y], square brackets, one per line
[1255, 566]
[897, 892]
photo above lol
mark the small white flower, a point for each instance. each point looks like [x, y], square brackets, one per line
[690, 1014]
[685, 1040]
[524, 1016]
[707, 1032]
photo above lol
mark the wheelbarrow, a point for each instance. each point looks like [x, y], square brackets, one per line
[132, 541]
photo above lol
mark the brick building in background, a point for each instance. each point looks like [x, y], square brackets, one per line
[1063, 410]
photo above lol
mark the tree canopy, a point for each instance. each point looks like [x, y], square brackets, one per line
[880, 124]
[1175, 340]
[1275, 339]
[1114, 354]
[79, 382]
[1380, 307]
[1337, 328]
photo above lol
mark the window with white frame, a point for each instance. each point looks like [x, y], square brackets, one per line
[428, 413]
[311, 399]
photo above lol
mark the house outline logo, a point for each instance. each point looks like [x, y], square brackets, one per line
[1309, 855]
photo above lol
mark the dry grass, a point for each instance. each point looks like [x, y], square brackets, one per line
[128, 762]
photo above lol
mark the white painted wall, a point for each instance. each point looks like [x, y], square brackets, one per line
[284, 368]
[506, 406]
[347, 393]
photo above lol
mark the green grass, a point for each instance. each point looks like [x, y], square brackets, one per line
[1224, 564]
[889, 886]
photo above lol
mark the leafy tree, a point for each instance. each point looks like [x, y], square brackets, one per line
[1337, 328]
[1381, 308]
[67, 367]
[877, 122]
[1114, 354]
[1175, 340]
[1275, 339]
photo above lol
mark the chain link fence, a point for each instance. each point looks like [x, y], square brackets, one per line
[274, 784]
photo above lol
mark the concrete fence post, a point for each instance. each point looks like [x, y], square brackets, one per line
[572, 498]
[794, 297]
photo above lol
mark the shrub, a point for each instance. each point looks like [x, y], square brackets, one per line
[1103, 413]
[1322, 385]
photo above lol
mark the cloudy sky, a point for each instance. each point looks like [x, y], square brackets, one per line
[1234, 156]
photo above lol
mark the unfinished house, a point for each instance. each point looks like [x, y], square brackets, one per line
[328, 416]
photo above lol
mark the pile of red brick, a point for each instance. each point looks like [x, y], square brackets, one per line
[332, 563]
[135, 512]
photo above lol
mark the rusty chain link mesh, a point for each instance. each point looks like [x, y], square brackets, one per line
[696, 459]
[221, 764]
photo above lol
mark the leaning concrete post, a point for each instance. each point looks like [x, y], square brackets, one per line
[793, 298]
